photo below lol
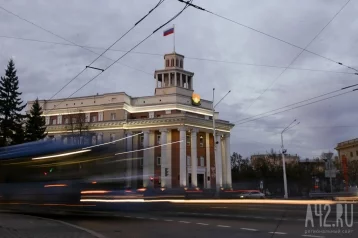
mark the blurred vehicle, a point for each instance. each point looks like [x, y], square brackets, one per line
[252, 194]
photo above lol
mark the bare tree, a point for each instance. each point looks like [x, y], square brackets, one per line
[78, 127]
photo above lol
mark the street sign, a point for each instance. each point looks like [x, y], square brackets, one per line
[330, 173]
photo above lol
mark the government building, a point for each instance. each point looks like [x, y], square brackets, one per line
[169, 134]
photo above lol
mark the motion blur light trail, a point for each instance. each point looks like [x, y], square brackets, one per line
[112, 142]
[61, 155]
[222, 201]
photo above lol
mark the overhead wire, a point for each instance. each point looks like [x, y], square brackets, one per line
[296, 103]
[297, 56]
[73, 43]
[289, 109]
[187, 57]
[93, 78]
[266, 34]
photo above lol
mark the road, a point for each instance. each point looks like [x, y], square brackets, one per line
[202, 219]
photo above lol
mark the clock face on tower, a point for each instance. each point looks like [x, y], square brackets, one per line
[195, 99]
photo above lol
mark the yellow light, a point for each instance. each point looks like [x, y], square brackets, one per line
[95, 192]
[61, 155]
[55, 185]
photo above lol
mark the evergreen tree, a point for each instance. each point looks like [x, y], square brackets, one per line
[35, 124]
[11, 105]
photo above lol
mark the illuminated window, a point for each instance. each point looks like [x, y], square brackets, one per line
[201, 141]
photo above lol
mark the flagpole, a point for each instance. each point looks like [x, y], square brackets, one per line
[174, 37]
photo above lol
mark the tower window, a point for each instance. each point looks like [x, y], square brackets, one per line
[172, 62]
[177, 63]
[167, 63]
[181, 63]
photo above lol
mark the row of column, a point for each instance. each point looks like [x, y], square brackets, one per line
[222, 159]
[182, 80]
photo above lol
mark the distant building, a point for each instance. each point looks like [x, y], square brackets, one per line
[275, 159]
[175, 125]
[348, 148]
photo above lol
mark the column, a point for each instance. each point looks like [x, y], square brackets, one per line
[146, 176]
[182, 159]
[59, 119]
[129, 159]
[181, 80]
[164, 159]
[228, 162]
[223, 161]
[194, 158]
[150, 158]
[135, 162]
[218, 164]
[176, 80]
[208, 171]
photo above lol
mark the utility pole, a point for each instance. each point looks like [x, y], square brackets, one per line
[283, 158]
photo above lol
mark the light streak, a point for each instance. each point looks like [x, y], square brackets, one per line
[112, 142]
[55, 185]
[121, 153]
[95, 192]
[61, 155]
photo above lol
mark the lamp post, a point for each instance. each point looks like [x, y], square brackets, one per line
[283, 157]
[217, 172]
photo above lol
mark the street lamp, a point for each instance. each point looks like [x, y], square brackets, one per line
[283, 157]
[215, 142]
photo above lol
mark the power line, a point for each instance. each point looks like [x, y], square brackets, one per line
[73, 43]
[266, 34]
[187, 57]
[306, 100]
[289, 109]
[93, 78]
[297, 56]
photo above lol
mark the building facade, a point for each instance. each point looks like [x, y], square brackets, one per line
[169, 134]
[348, 148]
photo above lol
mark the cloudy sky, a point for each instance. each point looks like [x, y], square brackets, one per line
[43, 68]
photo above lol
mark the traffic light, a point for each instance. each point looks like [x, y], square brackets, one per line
[166, 172]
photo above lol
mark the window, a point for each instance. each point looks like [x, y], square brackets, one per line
[201, 141]
[201, 161]
[158, 139]
[141, 162]
[187, 140]
[357, 153]
[158, 160]
[188, 161]
[74, 119]
[351, 154]
[54, 121]
[113, 116]
[177, 63]
[172, 63]
[67, 121]
[112, 137]
[181, 63]
[167, 63]
[141, 141]
[94, 118]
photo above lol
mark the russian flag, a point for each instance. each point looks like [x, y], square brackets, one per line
[168, 31]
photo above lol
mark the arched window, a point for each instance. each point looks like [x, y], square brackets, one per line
[181, 63]
[177, 63]
[172, 62]
[167, 63]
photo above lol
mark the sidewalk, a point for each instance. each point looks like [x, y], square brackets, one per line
[23, 226]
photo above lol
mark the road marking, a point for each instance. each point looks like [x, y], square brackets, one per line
[248, 229]
[224, 226]
[278, 233]
[184, 221]
[313, 236]
[203, 224]
[155, 219]
[168, 220]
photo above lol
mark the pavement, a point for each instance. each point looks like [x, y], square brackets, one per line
[24, 226]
